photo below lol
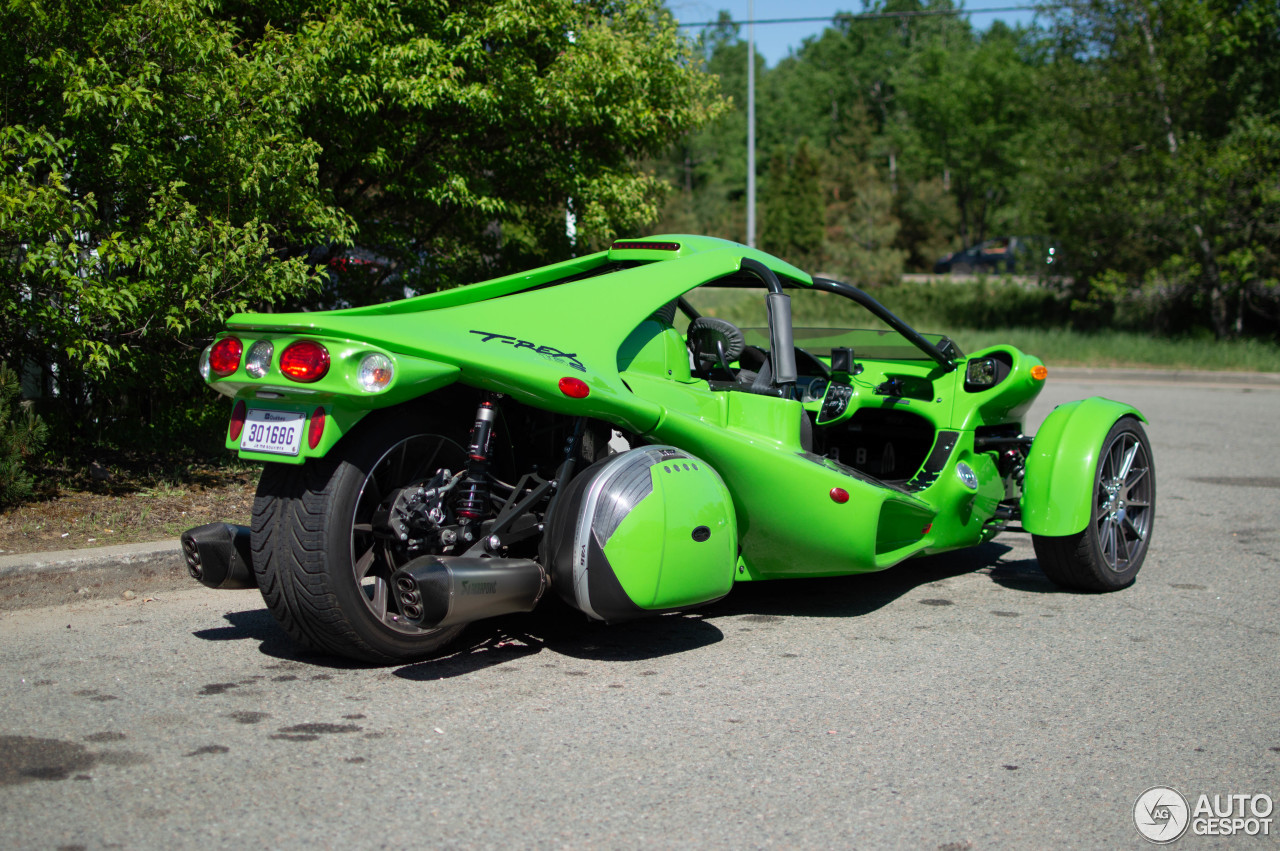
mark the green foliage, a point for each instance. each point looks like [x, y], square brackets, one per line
[792, 224]
[22, 436]
[1141, 138]
[967, 111]
[166, 163]
[1162, 167]
[861, 226]
[977, 302]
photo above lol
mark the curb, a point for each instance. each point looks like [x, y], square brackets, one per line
[158, 554]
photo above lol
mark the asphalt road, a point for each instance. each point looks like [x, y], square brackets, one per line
[951, 703]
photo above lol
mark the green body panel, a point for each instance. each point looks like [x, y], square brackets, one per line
[657, 562]
[1009, 400]
[523, 343]
[1057, 493]
[344, 402]
[522, 334]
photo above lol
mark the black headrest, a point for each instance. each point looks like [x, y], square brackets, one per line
[707, 335]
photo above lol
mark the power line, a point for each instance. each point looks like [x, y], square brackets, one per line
[874, 16]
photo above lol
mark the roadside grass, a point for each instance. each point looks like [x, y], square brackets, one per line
[1065, 347]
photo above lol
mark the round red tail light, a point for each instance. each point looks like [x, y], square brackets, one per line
[305, 361]
[224, 357]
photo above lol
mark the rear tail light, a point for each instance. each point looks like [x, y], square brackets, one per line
[305, 361]
[224, 357]
[375, 372]
[315, 429]
[643, 245]
[238, 415]
[258, 361]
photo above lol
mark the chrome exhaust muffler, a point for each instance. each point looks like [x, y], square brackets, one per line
[436, 591]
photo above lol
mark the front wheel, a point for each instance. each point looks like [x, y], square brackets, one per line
[323, 572]
[1107, 554]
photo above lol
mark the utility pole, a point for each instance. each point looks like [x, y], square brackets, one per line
[751, 123]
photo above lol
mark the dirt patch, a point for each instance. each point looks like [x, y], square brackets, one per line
[77, 519]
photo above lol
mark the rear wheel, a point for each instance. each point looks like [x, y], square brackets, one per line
[1108, 553]
[323, 572]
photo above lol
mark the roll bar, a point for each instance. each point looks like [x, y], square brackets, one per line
[782, 350]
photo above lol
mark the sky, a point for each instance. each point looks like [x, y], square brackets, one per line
[775, 41]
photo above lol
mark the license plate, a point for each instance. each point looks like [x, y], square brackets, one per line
[279, 432]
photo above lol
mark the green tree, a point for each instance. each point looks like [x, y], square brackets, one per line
[794, 209]
[707, 166]
[164, 163]
[1163, 170]
[968, 110]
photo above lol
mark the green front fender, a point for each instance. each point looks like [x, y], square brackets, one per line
[1057, 492]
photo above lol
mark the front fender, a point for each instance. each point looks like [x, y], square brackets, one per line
[1057, 491]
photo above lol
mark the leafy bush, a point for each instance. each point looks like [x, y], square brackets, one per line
[22, 435]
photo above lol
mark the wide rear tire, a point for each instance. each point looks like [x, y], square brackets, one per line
[323, 574]
[1108, 553]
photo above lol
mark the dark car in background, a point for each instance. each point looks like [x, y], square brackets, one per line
[1012, 255]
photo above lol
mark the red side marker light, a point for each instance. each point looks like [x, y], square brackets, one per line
[224, 357]
[315, 429]
[839, 496]
[926, 529]
[574, 388]
[305, 361]
[238, 414]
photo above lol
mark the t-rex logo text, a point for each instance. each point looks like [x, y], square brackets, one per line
[549, 352]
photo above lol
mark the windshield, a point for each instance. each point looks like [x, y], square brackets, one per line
[821, 321]
[874, 344]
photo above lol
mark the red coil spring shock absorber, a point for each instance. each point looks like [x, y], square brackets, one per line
[472, 502]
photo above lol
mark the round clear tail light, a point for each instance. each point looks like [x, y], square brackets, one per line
[204, 362]
[375, 372]
[258, 361]
[224, 356]
[305, 361]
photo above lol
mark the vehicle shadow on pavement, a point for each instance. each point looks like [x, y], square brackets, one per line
[259, 625]
[851, 596]
[557, 627]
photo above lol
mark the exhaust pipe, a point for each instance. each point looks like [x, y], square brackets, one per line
[219, 555]
[435, 591]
